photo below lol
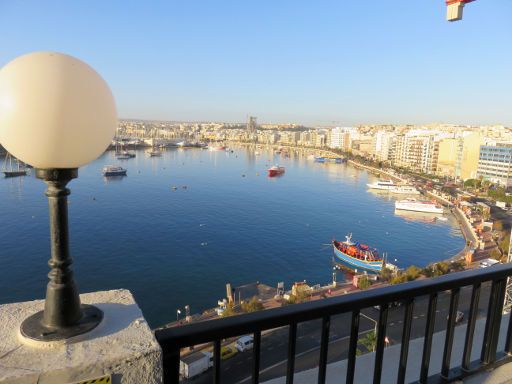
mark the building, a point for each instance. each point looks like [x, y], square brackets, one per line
[384, 145]
[468, 154]
[495, 163]
[340, 138]
[447, 157]
[418, 151]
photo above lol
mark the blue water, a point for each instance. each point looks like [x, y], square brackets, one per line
[177, 247]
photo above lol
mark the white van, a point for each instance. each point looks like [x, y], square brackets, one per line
[244, 343]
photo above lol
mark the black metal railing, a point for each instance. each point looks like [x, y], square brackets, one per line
[172, 340]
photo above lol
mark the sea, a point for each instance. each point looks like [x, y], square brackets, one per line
[179, 227]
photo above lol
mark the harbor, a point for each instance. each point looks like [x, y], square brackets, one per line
[282, 231]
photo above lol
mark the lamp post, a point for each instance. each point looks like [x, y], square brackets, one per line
[57, 114]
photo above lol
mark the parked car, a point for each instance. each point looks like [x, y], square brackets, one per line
[244, 343]
[458, 317]
[227, 351]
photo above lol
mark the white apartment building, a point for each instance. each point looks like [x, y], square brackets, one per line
[341, 138]
[418, 150]
[384, 145]
[495, 163]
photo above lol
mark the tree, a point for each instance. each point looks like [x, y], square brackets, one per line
[369, 341]
[253, 305]
[363, 282]
[504, 243]
[399, 279]
[412, 273]
[229, 311]
[457, 266]
[386, 274]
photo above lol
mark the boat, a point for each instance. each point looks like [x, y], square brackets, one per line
[357, 256]
[125, 155]
[405, 190]
[9, 170]
[112, 170]
[154, 153]
[411, 204]
[382, 184]
[122, 153]
[276, 170]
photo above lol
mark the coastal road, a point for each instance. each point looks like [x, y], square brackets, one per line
[274, 345]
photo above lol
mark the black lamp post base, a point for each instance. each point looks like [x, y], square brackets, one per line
[32, 327]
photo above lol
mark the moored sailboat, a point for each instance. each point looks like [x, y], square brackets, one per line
[10, 170]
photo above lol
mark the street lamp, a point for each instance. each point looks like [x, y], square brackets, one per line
[56, 114]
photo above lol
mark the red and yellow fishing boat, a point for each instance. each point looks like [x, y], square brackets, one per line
[359, 257]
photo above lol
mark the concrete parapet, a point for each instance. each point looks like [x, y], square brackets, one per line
[122, 346]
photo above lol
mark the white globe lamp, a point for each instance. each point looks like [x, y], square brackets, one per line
[56, 114]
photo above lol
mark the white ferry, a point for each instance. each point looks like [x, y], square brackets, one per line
[383, 185]
[418, 206]
[405, 190]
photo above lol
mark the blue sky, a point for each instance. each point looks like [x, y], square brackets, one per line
[312, 62]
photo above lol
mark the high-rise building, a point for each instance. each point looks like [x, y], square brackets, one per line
[418, 150]
[340, 138]
[251, 125]
[495, 163]
[383, 145]
[468, 154]
[447, 158]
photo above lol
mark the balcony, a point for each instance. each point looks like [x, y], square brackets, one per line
[431, 348]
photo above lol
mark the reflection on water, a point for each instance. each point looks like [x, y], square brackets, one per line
[420, 216]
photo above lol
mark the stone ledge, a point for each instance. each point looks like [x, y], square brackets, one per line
[123, 346]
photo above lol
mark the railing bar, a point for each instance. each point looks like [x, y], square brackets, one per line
[256, 357]
[450, 331]
[292, 340]
[379, 350]
[492, 324]
[508, 341]
[216, 361]
[200, 332]
[352, 348]
[171, 365]
[497, 319]
[470, 330]
[324, 346]
[427, 343]
[406, 335]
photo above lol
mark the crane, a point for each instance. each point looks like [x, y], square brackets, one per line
[454, 9]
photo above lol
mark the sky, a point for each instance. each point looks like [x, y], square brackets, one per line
[310, 62]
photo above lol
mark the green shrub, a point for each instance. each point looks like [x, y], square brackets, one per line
[412, 273]
[252, 305]
[399, 279]
[363, 282]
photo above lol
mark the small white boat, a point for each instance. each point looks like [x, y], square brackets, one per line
[111, 170]
[154, 153]
[383, 185]
[418, 206]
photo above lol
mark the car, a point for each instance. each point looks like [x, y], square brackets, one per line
[244, 343]
[227, 351]
[458, 317]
